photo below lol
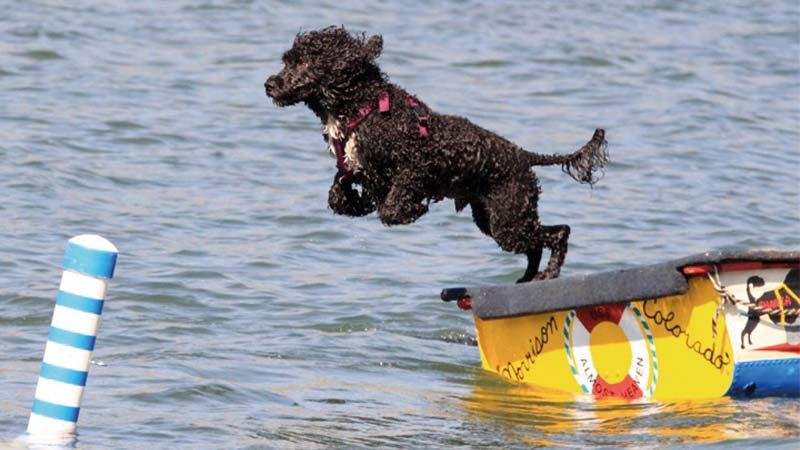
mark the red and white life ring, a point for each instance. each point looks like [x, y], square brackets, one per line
[608, 326]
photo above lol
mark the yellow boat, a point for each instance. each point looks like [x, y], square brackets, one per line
[721, 323]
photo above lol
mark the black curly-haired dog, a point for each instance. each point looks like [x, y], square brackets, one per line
[404, 156]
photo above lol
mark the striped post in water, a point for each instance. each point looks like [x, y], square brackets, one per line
[88, 265]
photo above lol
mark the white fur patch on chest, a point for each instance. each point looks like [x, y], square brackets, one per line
[334, 131]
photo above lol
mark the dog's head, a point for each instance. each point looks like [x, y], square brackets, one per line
[322, 63]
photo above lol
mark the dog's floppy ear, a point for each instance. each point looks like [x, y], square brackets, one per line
[373, 47]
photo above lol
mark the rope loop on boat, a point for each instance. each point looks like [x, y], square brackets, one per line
[726, 296]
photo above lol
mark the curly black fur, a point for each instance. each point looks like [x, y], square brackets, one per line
[400, 171]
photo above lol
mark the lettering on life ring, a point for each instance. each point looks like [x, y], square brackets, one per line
[611, 352]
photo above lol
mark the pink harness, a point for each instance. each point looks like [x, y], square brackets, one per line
[383, 106]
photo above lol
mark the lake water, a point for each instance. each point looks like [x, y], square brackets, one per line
[245, 314]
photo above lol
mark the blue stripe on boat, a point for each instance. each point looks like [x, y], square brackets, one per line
[89, 261]
[64, 375]
[765, 378]
[77, 340]
[54, 411]
[79, 302]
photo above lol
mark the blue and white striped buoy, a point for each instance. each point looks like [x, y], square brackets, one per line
[88, 265]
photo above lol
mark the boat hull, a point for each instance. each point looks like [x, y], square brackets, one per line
[677, 346]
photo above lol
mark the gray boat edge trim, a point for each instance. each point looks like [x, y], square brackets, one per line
[638, 283]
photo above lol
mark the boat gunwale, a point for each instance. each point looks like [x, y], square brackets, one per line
[609, 287]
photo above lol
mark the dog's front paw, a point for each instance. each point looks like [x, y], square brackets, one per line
[344, 199]
[337, 198]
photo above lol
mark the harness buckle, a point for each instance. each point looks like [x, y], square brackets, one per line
[422, 117]
[383, 102]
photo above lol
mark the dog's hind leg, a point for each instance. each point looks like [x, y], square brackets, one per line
[514, 221]
[534, 259]
[480, 217]
[555, 238]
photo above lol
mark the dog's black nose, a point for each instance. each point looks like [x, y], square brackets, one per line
[272, 84]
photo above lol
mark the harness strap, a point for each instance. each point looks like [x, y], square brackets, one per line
[338, 147]
[383, 102]
[421, 116]
[363, 112]
[383, 106]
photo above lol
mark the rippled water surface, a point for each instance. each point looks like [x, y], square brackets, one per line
[244, 314]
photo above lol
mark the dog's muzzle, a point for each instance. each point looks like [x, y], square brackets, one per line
[272, 84]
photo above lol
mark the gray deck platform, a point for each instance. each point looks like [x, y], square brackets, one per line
[651, 281]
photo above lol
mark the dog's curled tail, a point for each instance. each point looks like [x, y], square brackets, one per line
[582, 165]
